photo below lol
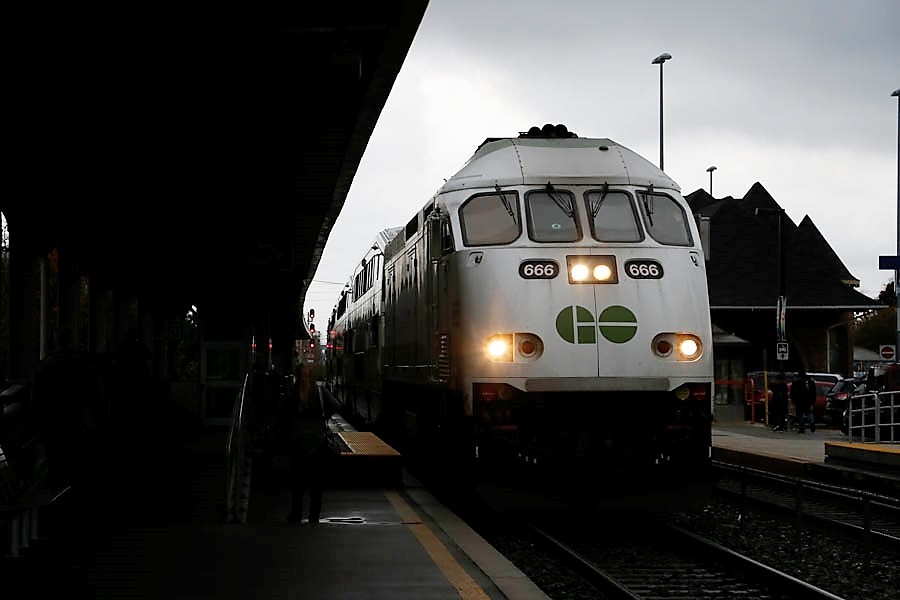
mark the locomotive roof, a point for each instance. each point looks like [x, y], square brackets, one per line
[535, 161]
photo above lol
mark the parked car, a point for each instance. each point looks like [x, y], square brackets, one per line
[831, 378]
[836, 399]
[883, 377]
[755, 398]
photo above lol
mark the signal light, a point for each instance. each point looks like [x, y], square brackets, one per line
[530, 347]
[663, 347]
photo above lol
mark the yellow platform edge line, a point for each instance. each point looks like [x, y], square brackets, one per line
[871, 446]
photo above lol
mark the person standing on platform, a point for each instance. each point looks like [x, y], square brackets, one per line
[779, 406]
[66, 395]
[308, 450]
[804, 395]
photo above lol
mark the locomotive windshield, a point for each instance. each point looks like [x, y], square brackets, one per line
[665, 219]
[551, 216]
[491, 219]
[613, 217]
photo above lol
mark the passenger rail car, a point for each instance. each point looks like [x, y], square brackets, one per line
[547, 308]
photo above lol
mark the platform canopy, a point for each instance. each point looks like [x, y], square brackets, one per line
[194, 156]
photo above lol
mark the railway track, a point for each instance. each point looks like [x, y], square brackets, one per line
[870, 519]
[665, 561]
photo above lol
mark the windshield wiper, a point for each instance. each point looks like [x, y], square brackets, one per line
[506, 204]
[595, 205]
[566, 207]
[648, 206]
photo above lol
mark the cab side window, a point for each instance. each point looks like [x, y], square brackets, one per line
[491, 219]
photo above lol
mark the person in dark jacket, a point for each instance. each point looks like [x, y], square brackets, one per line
[66, 395]
[779, 405]
[803, 392]
[309, 453]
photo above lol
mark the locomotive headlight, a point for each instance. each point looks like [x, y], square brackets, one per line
[579, 272]
[602, 272]
[499, 347]
[592, 268]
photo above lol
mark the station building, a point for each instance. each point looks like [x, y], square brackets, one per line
[751, 261]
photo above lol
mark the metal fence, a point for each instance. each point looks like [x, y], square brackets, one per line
[874, 417]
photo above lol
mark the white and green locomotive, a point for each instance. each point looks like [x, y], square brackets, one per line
[546, 309]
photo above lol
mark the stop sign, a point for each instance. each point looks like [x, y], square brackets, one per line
[887, 352]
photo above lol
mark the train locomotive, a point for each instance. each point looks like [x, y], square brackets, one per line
[545, 311]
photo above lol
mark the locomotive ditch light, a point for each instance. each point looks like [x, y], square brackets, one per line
[688, 347]
[499, 347]
[592, 269]
[514, 347]
[685, 347]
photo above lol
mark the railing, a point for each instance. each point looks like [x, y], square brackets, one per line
[874, 417]
[24, 487]
[236, 459]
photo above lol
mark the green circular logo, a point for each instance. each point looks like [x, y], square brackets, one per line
[575, 324]
[617, 324]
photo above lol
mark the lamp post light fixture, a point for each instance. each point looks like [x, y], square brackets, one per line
[659, 60]
[710, 171]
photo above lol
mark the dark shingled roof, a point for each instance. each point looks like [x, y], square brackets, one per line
[743, 251]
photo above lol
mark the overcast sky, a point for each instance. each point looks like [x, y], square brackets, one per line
[794, 94]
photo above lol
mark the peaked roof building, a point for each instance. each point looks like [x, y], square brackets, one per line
[742, 257]
[743, 263]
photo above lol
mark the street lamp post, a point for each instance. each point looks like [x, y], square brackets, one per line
[710, 171]
[659, 60]
[897, 270]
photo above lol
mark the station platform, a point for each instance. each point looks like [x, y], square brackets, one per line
[156, 530]
[826, 455]
[152, 525]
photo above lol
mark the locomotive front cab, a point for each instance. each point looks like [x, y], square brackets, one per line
[593, 344]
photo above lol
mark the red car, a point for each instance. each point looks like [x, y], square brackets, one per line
[756, 399]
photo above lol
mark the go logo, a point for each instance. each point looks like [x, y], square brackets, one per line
[576, 324]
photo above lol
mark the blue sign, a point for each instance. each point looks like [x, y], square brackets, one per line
[890, 263]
